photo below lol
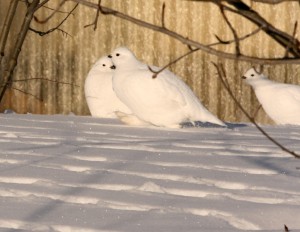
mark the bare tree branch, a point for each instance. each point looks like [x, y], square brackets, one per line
[256, 111]
[42, 33]
[155, 73]
[163, 15]
[8, 73]
[274, 1]
[26, 93]
[58, 11]
[186, 41]
[294, 36]
[40, 5]
[37, 78]
[235, 36]
[232, 41]
[222, 76]
[95, 23]
[244, 10]
[6, 27]
[45, 79]
[32, 7]
[51, 15]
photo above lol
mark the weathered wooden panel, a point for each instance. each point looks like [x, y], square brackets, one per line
[64, 58]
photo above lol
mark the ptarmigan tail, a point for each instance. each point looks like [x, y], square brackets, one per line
[204, 115]
[198, 112]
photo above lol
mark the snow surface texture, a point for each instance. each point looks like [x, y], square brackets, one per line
[100, 97]
[162, 101]
[71, 173]
[280, 101]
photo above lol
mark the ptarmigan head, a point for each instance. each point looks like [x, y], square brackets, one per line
[123, 59]
[103, 65]
[252, 76]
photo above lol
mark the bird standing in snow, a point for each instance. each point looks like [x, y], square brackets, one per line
[101, 99]
[162, 101]
[280, 101]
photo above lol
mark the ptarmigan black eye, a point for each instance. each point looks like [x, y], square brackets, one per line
[252, 75]
[103, 65]
[117, 54]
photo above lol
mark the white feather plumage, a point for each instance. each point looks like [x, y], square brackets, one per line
[280, 101]
[164, 101]
[101, 99]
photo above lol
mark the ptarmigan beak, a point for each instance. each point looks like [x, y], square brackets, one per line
[109, 56]
[113, 67]
[243, 77]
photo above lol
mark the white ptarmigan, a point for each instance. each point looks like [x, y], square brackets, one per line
[280, 101]
[101, 99]
[162, 101]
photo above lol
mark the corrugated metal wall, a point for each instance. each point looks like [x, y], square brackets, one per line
[68, 58]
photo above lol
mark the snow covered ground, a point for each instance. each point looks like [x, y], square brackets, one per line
[71, 173]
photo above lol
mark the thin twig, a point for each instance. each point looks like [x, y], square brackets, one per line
[58, 11]
[163, 15]
[273, 1]
[46, 79]
[41, 5]
[256, 111]
[235, 36]
[42, 33]
[220, 41]
[96, 18]
[30, 94]
[226, 82]
[294, 41]
[232, 41]
[51, 15]
[222, 77]
[155, 73]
